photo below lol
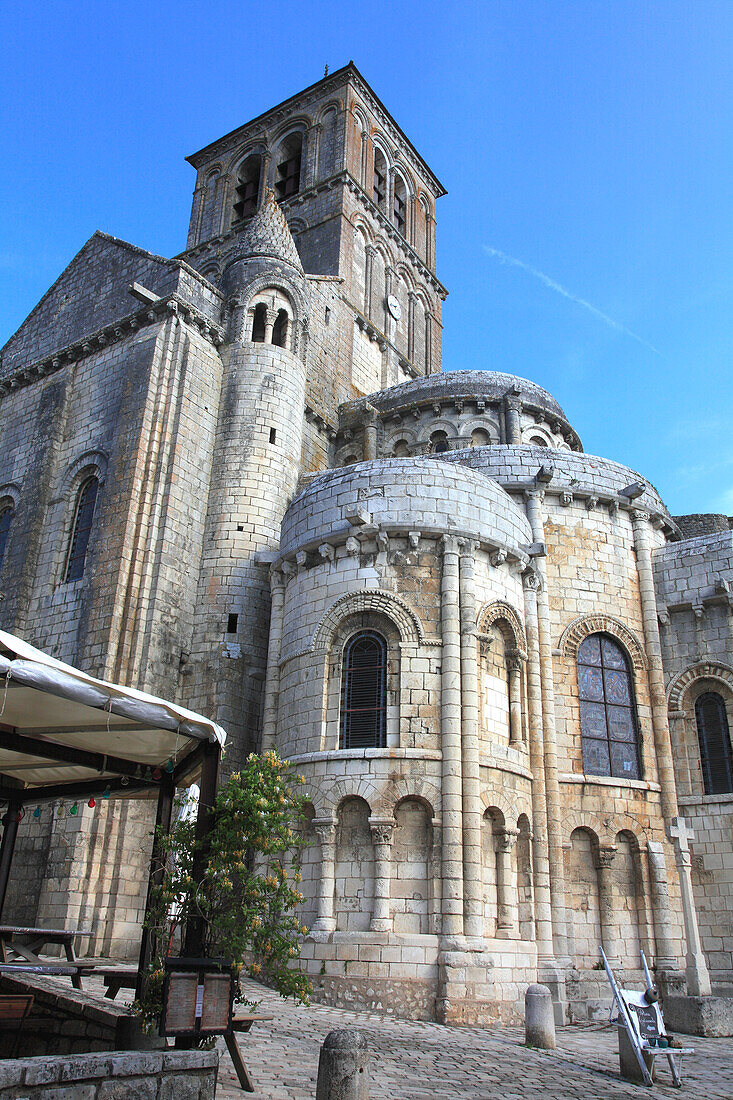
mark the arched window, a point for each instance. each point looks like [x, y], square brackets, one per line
[715, 748]
[480, 438]
[259, 320]
[248, 188]
[6, 518]
[287, 172]
[81, 530]
[438, 442]
[379, 192]
[538, 441]
[364, 692]
[607, 714]
[280, 329]
[401, 449]
[399, 205]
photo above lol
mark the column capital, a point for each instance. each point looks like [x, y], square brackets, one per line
[450, 544]
[382, 829]
[638, 515]
[534, 494]
[278, 580]
[531, 579]
[325, 828]
[506, 839]
[605, 856]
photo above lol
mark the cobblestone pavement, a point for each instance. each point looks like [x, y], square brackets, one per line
[423, 1061]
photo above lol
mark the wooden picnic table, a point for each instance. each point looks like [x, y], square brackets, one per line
[242, 1023]
[25, 943]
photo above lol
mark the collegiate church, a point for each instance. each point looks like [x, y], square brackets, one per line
[239, 479]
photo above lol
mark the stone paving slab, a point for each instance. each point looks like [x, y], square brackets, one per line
[424, 1061]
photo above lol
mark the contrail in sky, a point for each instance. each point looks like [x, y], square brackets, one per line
[504, 259]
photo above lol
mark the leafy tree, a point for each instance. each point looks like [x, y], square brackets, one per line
[248, 891]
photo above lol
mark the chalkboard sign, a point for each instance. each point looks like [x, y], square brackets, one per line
[648, 1021]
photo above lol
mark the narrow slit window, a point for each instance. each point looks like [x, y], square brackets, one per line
[232, 622]
[713, 733]
[81, 530]
[6, 519]
[364, 692]
[273, 435]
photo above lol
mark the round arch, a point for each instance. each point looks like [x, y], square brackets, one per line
[582, 627]
[491, 613]
[705, 670]
[393, 607]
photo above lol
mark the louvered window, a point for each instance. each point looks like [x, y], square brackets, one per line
[82, 529]
[364, 692]
[6, 518]
[715, 748]
[607, 713]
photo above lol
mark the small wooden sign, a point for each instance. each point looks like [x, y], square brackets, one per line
[198, 998]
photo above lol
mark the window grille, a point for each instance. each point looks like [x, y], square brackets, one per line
[608, 726]
[6, 518]
[364, 692]
[81, 530]
[713, 734]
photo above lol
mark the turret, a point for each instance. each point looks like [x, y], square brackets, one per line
[256, 466]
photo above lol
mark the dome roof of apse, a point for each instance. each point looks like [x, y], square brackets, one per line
[267, 236]
[481, 383]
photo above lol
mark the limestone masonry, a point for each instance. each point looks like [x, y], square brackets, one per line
[239, 479]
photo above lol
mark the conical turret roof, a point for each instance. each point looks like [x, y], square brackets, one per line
[267, 235]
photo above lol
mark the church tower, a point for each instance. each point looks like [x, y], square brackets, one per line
[255, 467]
[360, 203]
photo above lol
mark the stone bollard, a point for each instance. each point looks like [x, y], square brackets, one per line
[539, 1018]
[343, 1072]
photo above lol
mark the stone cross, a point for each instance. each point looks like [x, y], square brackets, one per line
[698, 979]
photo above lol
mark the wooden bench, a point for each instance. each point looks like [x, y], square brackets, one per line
[242, 1023]
[14, 1010]
[116, 978]
[25, 943]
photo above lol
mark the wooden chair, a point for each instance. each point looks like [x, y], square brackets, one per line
[14, 1010]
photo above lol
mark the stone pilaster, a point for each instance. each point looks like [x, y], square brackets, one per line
[272, 677]
[514, 674]
[535, 515]
[450, 713]
[472, 861]
[608, 904]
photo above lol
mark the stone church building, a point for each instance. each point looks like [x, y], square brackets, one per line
[239, 479]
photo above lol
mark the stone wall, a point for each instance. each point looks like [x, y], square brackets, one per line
[173, 1075]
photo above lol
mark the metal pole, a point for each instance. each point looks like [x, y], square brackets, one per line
[7, 847]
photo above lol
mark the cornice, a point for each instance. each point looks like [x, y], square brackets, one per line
[171, 304]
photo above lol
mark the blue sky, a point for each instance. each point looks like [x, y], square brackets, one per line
[590, 141]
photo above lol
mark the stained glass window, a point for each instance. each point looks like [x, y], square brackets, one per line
[82, 529]
[713, 734]
[6, 518]
[607, 715]
[364, 692]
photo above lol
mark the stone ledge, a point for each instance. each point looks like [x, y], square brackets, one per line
[135, 1074]
[709, 1016]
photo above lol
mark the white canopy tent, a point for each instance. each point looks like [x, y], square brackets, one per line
[64, 734]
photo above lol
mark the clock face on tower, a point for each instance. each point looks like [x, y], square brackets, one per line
[394, 307]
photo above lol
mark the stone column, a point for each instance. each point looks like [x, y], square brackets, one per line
[608, 904]
[506, 885]
[660, 725]
[512, 428]
[698, 979]
[514, 675]
[665, 955]
[472, 862]
[412, 303]
[272, 677]
[382, 830]
[325, 829]
[370, 433]
[536, 517]
[364, 164]
[540, 851]
[270, 318]
[368, 279]
[264, 178]
[450, 716]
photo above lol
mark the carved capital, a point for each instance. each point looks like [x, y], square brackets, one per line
[381, 830]
[638, 515]
[531, 579]
[506, 839]
[450, 544]
[325, 829]
[604, 857]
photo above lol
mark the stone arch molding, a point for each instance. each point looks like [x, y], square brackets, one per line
[604, 828]
[580, 628]
[398, 610]
[9, 495]
[501, 610]
[89, 464]
[705, 670]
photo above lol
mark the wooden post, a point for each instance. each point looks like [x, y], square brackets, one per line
[163, 814]
[193, 944]
[7, 847]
